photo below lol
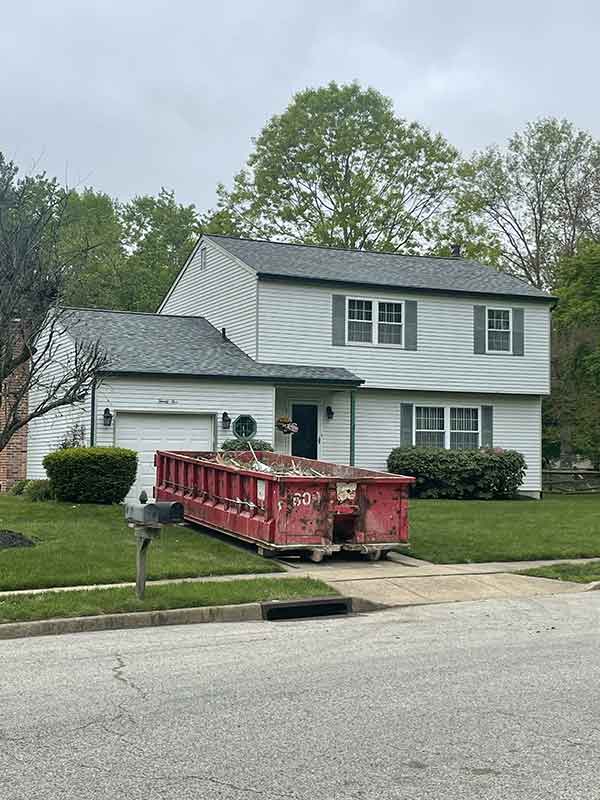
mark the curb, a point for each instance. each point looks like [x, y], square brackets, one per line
[245, 612]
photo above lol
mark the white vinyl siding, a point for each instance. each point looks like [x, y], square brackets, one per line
[45, 433]
[216, 286]
[183, 395]
[517, 425]
[295, 323]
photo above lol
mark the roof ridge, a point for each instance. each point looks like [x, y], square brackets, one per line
[344, 249]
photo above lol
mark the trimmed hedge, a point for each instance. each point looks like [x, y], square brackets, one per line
[91, 474]
[486, 474]
[242, 444]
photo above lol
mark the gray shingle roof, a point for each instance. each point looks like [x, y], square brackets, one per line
[169, 345]
[428, 273]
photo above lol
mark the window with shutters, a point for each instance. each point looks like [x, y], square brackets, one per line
[454, 427]
[464, 428]
[375, 322]
[499, 330]
[430, 426]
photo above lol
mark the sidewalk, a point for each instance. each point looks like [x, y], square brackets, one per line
[402, 582]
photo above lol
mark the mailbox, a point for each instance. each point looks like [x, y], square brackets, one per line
[154, 513]
[142, 513]
[169, 512]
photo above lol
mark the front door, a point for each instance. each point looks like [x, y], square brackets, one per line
[305, 442]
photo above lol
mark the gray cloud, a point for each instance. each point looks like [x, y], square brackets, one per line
[131, 95]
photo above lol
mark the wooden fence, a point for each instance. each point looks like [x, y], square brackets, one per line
[571, 481]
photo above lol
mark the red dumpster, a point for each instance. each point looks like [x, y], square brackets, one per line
[316, 506]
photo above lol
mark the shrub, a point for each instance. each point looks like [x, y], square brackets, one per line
[18, 487]
[91, 474]
[484, 474]
[239, 444]
[39, 491]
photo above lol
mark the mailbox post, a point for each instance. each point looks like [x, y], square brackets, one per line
[147, 519]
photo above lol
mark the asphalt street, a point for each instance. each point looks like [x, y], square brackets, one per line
[495, 699]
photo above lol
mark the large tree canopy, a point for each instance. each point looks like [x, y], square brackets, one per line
[539, 197]
[339, 168]
[34, 264]
[128, 254]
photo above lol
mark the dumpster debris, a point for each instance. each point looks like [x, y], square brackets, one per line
[277, 468]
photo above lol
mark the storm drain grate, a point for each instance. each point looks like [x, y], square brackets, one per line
[302, 609]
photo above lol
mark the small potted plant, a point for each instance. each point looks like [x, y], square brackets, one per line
[286, 425]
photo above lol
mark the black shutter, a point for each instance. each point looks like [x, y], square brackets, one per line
[338, 319]
[518, 332]
[406, 425]
[487, 426]
[410, 324]
[479, 329]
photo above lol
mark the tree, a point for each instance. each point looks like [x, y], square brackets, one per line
[339, 168]
[540, 197]
[573, 411]
[159, 235]
[33, 268]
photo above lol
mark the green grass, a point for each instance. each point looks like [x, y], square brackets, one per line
[90, 544]
[89, 602]
[461, 531]
[578, 573]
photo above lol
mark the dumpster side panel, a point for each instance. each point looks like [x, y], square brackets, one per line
[306, 512]
[383, 513]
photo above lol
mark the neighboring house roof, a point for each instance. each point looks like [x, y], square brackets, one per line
[160, 344]
[375, 269]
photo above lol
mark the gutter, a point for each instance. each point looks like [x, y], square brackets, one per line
[379, 287]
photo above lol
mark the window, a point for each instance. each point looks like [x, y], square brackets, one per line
[360, 321]
[389, 329]
[244, 427]
[456, 428]
[499, 330]
[202, 258]
[375, 322]
[430, 429]
[464, 428]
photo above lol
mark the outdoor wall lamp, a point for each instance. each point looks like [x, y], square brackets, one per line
[107, 418]
[226, 421]
[330, 412]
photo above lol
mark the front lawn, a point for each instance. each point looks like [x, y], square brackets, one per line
[462, 531]
[578, 573]
[90, 602]
[90, 544]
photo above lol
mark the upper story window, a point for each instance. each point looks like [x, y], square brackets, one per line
[375, 322]
[499, 330]
[203, 258]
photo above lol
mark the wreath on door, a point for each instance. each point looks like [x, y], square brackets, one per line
[286, 425]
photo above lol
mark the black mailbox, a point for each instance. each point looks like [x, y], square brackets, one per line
[169, 512]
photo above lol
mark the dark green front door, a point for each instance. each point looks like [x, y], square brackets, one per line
[305, 442]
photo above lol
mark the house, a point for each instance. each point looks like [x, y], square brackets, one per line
[365, 351]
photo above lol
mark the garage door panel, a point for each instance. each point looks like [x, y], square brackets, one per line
[146, 433]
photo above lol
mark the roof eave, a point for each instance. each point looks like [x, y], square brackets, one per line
[278, 277]
[272, 379]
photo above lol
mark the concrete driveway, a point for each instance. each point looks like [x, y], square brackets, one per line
[409, 582]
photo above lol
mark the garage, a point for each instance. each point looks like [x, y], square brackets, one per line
[147, 432]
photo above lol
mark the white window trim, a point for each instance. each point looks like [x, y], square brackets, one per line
[447, 430]
[375, 323]
[489, 349]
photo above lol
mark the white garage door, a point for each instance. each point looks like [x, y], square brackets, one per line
[147, 433]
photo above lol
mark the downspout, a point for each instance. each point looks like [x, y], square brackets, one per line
[352, 428]
[93, 414]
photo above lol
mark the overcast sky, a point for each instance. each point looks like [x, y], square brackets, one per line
[129, 95]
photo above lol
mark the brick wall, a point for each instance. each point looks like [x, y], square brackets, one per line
[13, 459]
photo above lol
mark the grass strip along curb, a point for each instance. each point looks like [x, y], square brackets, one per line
[567, 571]
[98, 602]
